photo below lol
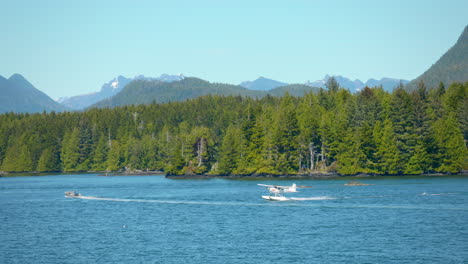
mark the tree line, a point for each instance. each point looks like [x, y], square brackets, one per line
[372, 131]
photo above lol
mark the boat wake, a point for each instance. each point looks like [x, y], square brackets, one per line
[425, 193]
[319, 198]
[162, 201]
[281, 204]
[368, 196]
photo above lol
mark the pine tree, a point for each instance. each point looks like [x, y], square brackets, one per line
[114, 156]
[187, 142]
[100, 154]
[419, 162]
[229, 151]
[285, 135]
[70, 150]
[202, 140]
[261, 143]
[49, 160]
[403, 120]
[452, 149]
[309, 114]
[266, 163]
[332, 85]
[149, 149]
[134, 153]
[24, 161]
[419, 157]
[175, 162]
[10, 162]
[351, 159]
[387, 157]
[85, 147]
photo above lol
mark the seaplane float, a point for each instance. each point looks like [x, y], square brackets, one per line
[276, 191]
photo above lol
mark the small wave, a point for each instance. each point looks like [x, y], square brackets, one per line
[369, 196]
[408, 207]
[425, 193]
[319, 198]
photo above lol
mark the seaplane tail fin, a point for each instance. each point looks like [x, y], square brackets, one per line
[293, 188]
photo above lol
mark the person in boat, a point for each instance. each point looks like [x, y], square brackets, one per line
[72, 194]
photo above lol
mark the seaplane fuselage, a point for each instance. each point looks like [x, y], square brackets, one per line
[276, 191]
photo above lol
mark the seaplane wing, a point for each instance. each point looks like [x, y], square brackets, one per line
[266, 185]
[276, 186]
[283, 188]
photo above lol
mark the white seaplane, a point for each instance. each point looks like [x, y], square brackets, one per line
[276, 191]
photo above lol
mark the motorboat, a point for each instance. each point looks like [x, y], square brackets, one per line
[72, 194]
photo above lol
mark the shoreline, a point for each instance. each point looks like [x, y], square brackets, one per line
[98, 173]
[318, 176]
[134, 173]
[311, 176]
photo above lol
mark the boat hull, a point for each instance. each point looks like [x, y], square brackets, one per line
[72, 194]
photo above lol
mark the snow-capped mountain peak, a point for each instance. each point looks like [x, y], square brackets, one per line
[111, 88]
[357, 85]
[115, 84]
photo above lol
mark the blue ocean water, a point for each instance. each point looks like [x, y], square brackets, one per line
[151, 219]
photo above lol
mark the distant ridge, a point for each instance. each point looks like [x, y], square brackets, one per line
[451, 67]
[262, 84]
[110, 89]
[149, 91]
[388, 84]
[293, 89]
[265, 84]
[18, 95]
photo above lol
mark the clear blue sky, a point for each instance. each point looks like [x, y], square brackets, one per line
[72, 47]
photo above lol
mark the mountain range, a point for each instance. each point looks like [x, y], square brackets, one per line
[20, 96]
[108, 89]
[148, 91]
[451, 67]
[265, 84]
[262, 84]
[355, 86]
[156, 91]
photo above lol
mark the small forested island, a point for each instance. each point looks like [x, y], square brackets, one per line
[331, 130]
[356, 183]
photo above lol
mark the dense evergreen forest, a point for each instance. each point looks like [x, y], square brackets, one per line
[331, 130]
